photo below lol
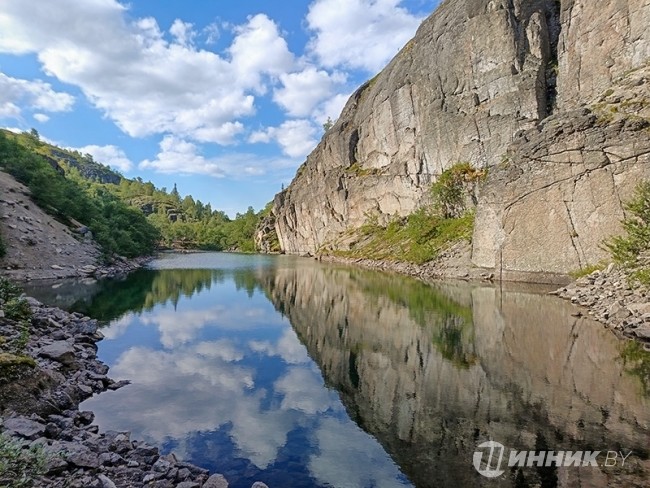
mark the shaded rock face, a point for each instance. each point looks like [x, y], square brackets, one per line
[476, 76]
[472, 364]
[599, 42]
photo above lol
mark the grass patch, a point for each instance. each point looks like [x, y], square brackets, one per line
[418, 238]
[587, 270]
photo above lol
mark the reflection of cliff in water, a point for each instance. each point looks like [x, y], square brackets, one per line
[432, 372]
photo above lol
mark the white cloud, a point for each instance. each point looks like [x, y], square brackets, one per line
[183, 32]
[144, 83]
[302, 91]
[363, 34]
[303, 390]
[259, 49]
[297, 138]
[110, 155]
[42, 118]
[36, 95]
[331, 108]
[180, 156]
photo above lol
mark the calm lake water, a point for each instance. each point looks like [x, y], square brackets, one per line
[299, 374]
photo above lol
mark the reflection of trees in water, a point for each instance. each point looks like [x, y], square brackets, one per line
[144, 289]
[449, 322]
[637, 363]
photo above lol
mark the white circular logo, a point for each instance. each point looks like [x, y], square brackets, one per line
[492, 467]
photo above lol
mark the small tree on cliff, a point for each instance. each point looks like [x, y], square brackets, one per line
[632, 250]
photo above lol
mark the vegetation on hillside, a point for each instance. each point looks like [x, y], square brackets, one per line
[117, 228]
[632, 250]
[128, 217]
[421, 236]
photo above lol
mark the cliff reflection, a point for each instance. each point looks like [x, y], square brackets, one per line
[434, 371]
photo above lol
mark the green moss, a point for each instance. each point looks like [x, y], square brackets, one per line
[12, 366]
[450, 188]
[587, 270]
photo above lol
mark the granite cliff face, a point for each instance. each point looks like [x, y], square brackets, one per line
[477, 75]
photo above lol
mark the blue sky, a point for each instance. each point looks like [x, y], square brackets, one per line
[223, 98]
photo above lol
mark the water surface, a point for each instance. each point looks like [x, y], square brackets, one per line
[298, 374]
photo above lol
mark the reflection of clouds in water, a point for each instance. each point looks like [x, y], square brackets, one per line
[118, 327]
[303, 390]
[222, 349]
[191, 387]
[178, 327]
[194, 389]
[181, 327]
[288, 348]
[350, 458]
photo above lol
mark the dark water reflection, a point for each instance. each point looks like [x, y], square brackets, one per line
[298, 374]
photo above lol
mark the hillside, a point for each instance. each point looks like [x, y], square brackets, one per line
[127, 217]
[549, 98]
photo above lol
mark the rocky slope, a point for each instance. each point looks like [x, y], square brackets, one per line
[38, 246]
[478, 75]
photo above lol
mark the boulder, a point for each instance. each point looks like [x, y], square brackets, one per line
[60, 351]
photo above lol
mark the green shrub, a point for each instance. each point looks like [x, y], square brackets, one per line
[20, 464]
[451, 187]
[17, 309]
[632, 249]
[8, 290]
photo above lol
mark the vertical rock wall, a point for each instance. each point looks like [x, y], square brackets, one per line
[474, 75]
[552, 95]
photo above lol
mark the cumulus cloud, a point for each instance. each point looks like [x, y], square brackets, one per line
[297, 138]
[183, 32]
[143, 82]
[110, 155]
[301, 92]
[363, 34]
[258, 48]
[180, 156]
[36, 95]
[41, 118]
[331, 108]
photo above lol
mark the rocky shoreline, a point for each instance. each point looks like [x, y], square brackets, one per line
[608, 297]
[119, 266]
[39, 402]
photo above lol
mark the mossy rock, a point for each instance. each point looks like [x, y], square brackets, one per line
[13, 366]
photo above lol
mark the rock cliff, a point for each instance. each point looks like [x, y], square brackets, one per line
[478, 75]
